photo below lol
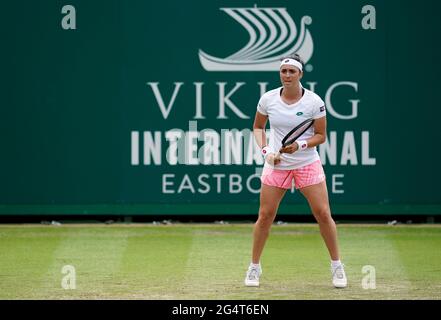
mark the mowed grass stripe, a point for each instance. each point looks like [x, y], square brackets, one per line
[95, 253]
[295, 264]
[216, 263]
[25, 256]
[152, 267]
[419, 251]
[371, 246]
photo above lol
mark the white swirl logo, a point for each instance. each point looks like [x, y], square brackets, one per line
[273, 35]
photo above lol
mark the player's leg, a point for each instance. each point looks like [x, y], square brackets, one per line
[270, 198]
[274, 186]
[310, 180]
[317, 197]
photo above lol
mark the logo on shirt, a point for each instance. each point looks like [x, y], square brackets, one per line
[273, 35]
[299, 113]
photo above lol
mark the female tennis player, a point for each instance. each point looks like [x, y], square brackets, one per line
[285, 108]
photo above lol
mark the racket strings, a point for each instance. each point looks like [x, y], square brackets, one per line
[292, 136]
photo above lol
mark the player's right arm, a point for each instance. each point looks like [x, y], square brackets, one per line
[259, 125]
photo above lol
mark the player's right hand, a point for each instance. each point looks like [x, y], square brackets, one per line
[273, 159]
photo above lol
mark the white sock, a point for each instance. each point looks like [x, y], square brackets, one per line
[335, 263]
[255, 265]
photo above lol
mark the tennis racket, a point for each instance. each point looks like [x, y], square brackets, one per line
[295, 133]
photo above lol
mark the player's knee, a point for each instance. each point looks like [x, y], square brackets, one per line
[323, 215]
[266, 217]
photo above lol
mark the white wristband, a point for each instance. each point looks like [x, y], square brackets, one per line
[266, 151]
[302, 145]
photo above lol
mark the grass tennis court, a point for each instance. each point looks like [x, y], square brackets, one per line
[203, 261]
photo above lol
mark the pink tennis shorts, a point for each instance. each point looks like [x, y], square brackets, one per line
[303, 177]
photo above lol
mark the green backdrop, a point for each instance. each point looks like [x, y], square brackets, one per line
[78, 106]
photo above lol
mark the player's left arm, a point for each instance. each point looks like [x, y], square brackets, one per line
[319, 136]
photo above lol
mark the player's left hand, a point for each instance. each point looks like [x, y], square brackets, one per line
[291, 148]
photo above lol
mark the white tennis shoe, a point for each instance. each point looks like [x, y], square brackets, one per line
[339, 279]
[253, 275]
